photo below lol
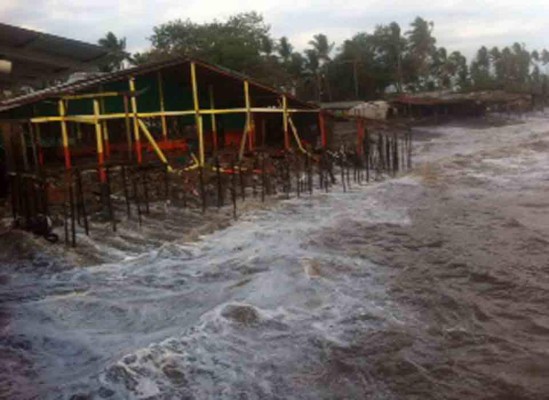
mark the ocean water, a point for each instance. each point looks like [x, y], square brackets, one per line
[429, 285]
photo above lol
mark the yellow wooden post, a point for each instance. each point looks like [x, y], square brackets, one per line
[249, 130]
[64, 134]
[135, 121]
[213, 119]
[285, 122]
[162, 107]
[99, 142]
[198, 118]
[153, 143]
[128, 128]
[105, 129]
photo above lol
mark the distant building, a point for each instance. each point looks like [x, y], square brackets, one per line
[32, 58]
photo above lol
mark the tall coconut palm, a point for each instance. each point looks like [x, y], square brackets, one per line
[284, 49]
[322, 47]
[114, 61]
[421, 45]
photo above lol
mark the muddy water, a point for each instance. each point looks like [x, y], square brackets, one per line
[432, 285]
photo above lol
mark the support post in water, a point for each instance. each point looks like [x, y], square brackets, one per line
[144, 181]
[125, 190]
[72, 210]
[202, 188]
[233, 188]
[109, 200]
[136, 197]
[342, 173]
[263, 171]
[81, 200]
[242, 181]
[219, 183]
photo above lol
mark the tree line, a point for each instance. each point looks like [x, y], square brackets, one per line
[365, 66]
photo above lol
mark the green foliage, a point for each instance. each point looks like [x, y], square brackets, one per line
[114, 61]
[237, 43]
[366, 66]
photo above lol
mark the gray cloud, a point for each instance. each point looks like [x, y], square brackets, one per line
[459, 24]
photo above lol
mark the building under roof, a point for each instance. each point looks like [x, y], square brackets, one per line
[35, 57]
[459, 104]
[154, 112]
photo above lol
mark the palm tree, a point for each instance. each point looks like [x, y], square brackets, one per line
[421, 45]
[322, 47]
[114, 60]
[285, 49]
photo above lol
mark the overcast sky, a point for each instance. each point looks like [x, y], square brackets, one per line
[459, 24]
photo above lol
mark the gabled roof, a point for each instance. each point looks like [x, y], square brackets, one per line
[88, 83]
[37, 56]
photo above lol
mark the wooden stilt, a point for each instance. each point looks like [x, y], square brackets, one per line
[137, 138]
[162, 106]
[64, 134]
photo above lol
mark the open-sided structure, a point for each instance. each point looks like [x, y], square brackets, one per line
[174, 111]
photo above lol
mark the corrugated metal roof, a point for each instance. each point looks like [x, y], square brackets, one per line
[86, 83]
[38, 56]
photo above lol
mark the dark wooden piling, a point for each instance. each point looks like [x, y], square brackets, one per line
[287, 176]
[125, 190]
[110, 207]
[342, 174]
[81, 200]
[409, 148]
[66, 218]
[309, 173]
[242, 180]
[202, 188]
[137, 199]
[219, 183]
[72, 214]
[145, 189]
[348, 173]
[233, 188]
[166, 183]
[263, 177]
[253, 174]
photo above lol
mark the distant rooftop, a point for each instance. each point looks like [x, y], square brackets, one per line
[447, 97]
[37, 57]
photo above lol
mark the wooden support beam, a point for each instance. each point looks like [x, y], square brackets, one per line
[135, 123]
[249, 123]
[127, 126]
[94, 95]
[32, 138]
[213, 119]
[155, 146]
[322, 128]
[24, 148]
[198, 117]
[90, 118]
[105, 129]
[38, 139]
[162, 106]
[296, 136]
[99, 143]
[360, 136]
[64, 134]
[285, 122]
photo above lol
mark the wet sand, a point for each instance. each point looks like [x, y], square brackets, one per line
[433, 285]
